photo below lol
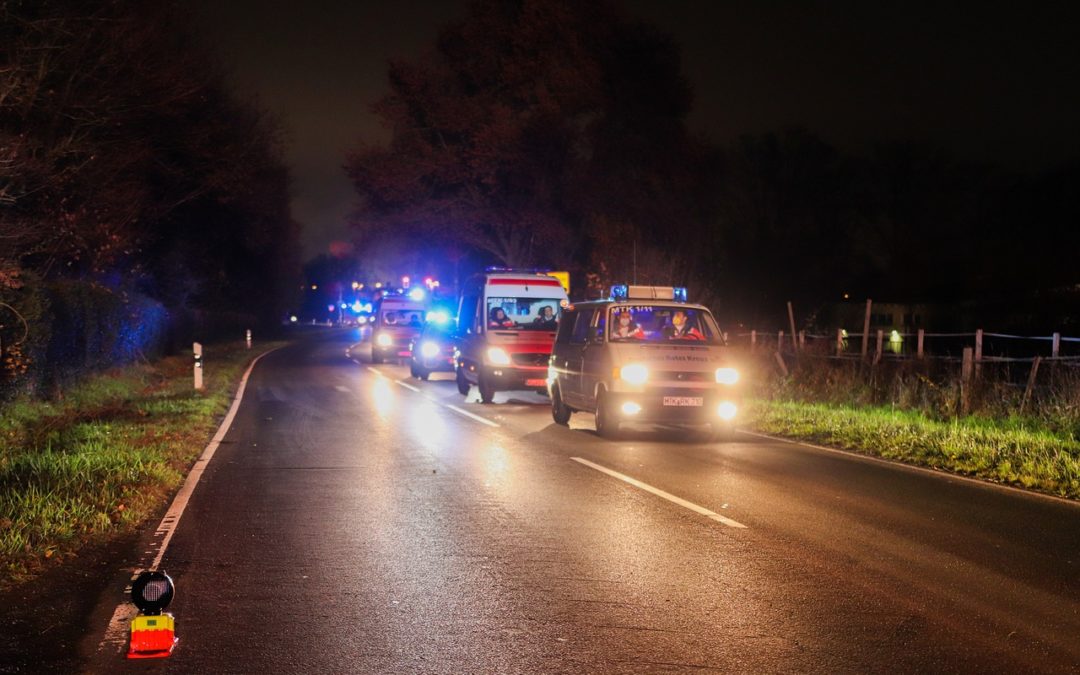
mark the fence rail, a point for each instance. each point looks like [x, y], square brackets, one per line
[896, 345]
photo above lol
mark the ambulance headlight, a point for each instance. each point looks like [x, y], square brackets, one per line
[384, 340]
[429, 349]
[497, 356]
[727, 411]
[727, 375]
[152, 592]
[635, 373]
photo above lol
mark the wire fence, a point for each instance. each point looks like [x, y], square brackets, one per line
[984, 346]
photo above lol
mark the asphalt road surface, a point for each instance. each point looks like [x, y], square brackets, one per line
[356, 520]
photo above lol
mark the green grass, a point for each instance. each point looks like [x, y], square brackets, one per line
[1009, 451]
[105, 458]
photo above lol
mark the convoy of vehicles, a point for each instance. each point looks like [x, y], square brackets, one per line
[644, 355]
[506, 325]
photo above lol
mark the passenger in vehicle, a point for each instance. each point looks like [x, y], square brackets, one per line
[680, 329]
[547, 318]
[499, 319]
[626, 327]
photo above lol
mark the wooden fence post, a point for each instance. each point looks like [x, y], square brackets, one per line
[866, 329]
[922, 335]
[1030, 383]
[880, 345]
[780, 362]
[1056, 348]
[802, 340]
[965, 381]
[978, 351]
[753, 340]
[780, 341]
[791, 320]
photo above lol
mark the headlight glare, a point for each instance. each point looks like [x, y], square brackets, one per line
[635, 373]
[429, 349]
[384, 340]
[497, 356]
[727, 375]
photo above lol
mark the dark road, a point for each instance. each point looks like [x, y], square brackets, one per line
[356, 520]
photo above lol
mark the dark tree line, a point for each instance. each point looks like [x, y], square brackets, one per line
[550, 132]
[126, 162]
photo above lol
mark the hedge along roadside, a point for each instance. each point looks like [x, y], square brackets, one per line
[977, 447]
[103, 461]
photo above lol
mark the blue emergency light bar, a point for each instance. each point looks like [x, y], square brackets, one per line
[627, 292]
[438, 317]
[518, 270]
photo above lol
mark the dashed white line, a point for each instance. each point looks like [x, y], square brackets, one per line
[663, 495]
[343, 390]
[466, 413]
[407, 386]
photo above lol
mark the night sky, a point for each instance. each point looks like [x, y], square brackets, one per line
[985, 81]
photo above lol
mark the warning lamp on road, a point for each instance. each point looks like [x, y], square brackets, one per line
[153, 632]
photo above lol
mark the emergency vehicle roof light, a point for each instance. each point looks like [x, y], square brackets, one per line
[680, 294]
[619, 292]
[518, 270]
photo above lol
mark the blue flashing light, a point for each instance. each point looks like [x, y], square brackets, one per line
[416, 294]
[680, 294]
[368, 307]
[620, 292]
[438, 317]
[357, 307]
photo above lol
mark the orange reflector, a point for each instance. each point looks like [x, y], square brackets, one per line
[152, 637]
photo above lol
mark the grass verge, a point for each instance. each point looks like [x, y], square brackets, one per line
[1005, 451]
[103, 460]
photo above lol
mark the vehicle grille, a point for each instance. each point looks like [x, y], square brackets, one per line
[683, 376]
[530, 359]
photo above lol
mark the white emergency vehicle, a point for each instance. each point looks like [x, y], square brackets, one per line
[643, 355]
[506, 325]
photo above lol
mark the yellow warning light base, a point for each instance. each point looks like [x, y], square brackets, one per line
[152, 637]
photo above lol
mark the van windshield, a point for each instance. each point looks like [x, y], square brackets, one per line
[523, 313]
[662, 323]
[403, 317]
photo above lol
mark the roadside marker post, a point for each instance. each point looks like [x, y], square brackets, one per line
[247, 338]
[197, 348]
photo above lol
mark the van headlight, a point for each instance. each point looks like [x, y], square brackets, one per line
[635, 373]
[384, 340]
[727, 375]
[429, 349]
[497, 356]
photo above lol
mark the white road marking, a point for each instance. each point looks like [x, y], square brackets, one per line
[116, 632]
[343, 390]
[407, 386]
[660, 493]
[470, 415]
[375, 370]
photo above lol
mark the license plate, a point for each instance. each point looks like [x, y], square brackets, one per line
[684, 401]
[535, 383]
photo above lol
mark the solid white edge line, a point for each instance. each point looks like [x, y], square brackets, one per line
[897, 464]
[663, 495]
[470, 415]
[116, 632]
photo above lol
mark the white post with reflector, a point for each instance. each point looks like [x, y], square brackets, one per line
[197, 348]
[247, 337]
